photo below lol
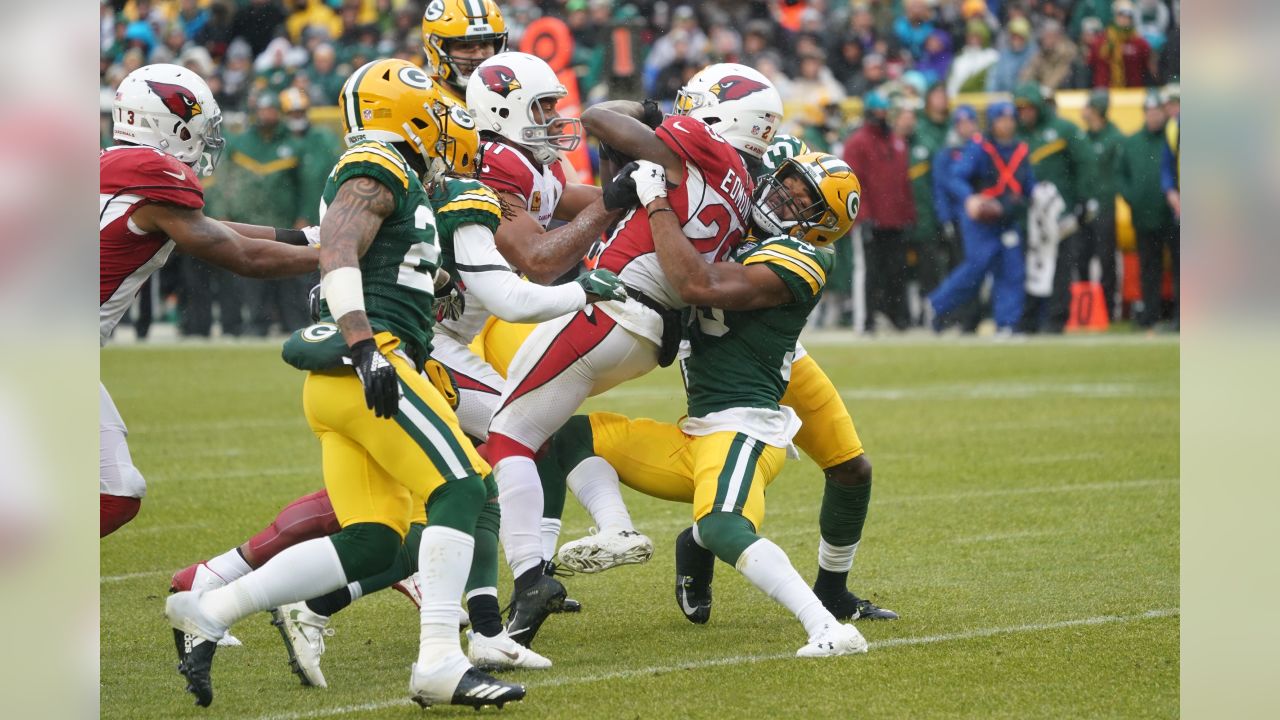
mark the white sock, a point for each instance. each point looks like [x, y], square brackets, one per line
[229, 566]
[356, 591]
[595, 483]
[768, 568]
[550, 537]
[444, 561]
[300, 572]
[493, 591]
[836, 558]
[520, 497]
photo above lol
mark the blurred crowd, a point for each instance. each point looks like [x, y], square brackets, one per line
[906, 61]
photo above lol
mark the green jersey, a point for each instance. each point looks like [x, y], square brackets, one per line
[742, 359]
[458, 202]
[398, 269]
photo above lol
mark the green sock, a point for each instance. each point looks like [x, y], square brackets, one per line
[844, 512]
[484, 559]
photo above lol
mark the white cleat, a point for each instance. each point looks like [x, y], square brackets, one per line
[600, 551]
[500, 652]
[183, 611]
[303, 632]
[832, 640]
[436, 685]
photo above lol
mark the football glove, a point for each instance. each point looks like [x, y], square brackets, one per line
[312, 232]
[450, 302]
[602, 285]
[313, 304]
[620, 192]
[378, 376]
[650, 180]
[652, 115]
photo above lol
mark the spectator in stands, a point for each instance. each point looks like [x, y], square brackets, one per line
[316, 148]
[914, 26]
[236, 77]
[257, 23]
[312, 13]
[685, 41]
[872, 76]
[1051, 64]
[217, 33]
[1098, 231]
[814, 83]
[969, 71]
[1140, 169]
[1059, 157]
[326, 77]
[1016, 48]
[887, 211]
[192, 17]
[862, 28]
[925, 240]
[936, 57]
[1152, 21]
[1121, 57]
[757, 40]
[1097, 9]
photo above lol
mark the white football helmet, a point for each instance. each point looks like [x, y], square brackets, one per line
[170, 108]
[739, 103]
[504, 93]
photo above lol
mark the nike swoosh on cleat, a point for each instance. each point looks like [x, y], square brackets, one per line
[511, 655]
[684, 603]
[513, 633]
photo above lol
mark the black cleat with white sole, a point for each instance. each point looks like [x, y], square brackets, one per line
[695, 567]
[478, 689]
[195, 661]
[570, 605]
[847, 606]
[530, 608]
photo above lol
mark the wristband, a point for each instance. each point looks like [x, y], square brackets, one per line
[342, 288]
[290, 236]
[661, 209]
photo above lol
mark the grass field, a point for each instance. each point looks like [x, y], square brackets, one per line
[1024, 522]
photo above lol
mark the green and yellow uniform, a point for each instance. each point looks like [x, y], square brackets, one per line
[374, 468]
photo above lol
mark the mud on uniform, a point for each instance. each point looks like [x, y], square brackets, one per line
[735, 438]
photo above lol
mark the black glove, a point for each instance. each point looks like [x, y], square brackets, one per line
[620, 192]
[313, 304]
[653, 115]
[608, 154]
[378, 376]
[450, 301]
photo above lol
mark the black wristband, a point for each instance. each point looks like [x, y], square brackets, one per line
[289, 236]
[661, 209]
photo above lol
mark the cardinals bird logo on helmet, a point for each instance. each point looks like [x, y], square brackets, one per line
[178, 99]
[736, 87]
[499, 79]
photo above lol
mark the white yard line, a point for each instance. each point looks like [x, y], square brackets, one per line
[750, 659]
[131, 576]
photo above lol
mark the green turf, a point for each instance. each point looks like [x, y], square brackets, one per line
[1018, 489]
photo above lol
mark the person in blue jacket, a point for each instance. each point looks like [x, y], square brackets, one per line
[994, 177]
[949, 207]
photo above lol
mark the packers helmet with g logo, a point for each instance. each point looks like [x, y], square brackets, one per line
[448, 21]
[833, 191]
[394, 101]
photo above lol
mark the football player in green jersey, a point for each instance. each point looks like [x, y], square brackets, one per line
[734, 440]
[387, 434]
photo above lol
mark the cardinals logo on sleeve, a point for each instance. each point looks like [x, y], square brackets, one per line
[499, 79]
[178, 99]
[736, 87]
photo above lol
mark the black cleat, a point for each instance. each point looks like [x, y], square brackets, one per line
[570, 605]
[695, 567]
[530, 608]
[477, 689]
[847, 606]
[195, 660]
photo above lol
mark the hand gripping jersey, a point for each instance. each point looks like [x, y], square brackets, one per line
[130, 177]
[743, 359]
[713, 204]
[398, 270]
[507, 170]
[459, 202]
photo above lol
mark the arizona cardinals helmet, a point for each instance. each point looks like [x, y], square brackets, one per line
[169, 108]
[737, 102]
[504, 94]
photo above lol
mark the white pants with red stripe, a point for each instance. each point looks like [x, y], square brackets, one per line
[565, 361]
[479, 385]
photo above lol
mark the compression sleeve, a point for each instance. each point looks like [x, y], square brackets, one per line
[488, 278]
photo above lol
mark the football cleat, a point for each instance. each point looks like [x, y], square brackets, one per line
[199, 577]
[695, 566]
[832, 640]
[500, 652]
[303, 632]
[848, 606]
[195, 636]
[473, 687]
[529, 609]
[570, 605]
[600, 551]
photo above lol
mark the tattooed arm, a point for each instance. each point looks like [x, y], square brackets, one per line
[349, 226]
[544, 255]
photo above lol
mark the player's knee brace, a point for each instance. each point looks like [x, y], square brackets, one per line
[457, 504]
[852, 472]
[366, 549]
[726, 534]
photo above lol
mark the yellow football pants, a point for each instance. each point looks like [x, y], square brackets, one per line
[827, 435]
[721, 472]
[498, 342]
[374, 468]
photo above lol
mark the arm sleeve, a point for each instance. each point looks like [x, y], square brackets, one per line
[486, 276]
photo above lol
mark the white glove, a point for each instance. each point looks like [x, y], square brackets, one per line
[313, 235]
[651, 181]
